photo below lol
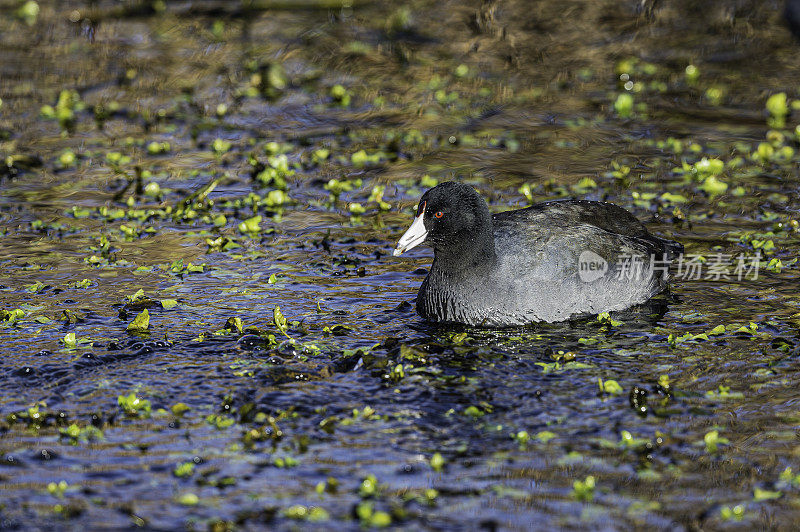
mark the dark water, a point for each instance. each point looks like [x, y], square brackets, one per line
[320, 425]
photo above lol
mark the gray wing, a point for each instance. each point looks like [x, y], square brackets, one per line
[580, 268]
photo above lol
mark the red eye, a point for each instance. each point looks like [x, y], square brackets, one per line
[439, 214]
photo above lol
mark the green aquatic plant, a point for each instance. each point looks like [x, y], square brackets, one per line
[77, 434]
[611, 387]
[692, 74]
[735, 513]
[70, 341]
[778, 109]
[369, 487]
[340, 95]
[28, 12]
[133, 406]
[220, 146]
[184, 470]
[188, 499]
[372, 518]
[583, 490]
[760, 494]
[251, 226]
[69, 102]
[437, 462]
[713, 441]
[140, 323]
[624, 105]
[57, 489]
[313, 514]
[158, 148]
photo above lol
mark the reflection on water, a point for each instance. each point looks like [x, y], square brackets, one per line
[307, 117]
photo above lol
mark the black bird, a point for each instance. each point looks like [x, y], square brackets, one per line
[549, 262]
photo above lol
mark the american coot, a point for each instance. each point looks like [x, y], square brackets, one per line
[549, 262]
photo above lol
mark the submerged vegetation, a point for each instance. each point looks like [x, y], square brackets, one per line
[203, 326]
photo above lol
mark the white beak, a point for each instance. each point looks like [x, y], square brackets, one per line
[415, 236]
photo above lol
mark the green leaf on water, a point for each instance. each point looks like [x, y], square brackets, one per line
[713, 440]
[140, 323]
[437, 462]
[609, 386]
[178, 409]
[545, 436]
[69, 341]
[167, 304]
[35, 288]
[188, 499]
[765, 495]
[136, 297]
[251, 225]
[279, 319]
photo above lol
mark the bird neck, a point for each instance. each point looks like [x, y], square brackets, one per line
[472, 252]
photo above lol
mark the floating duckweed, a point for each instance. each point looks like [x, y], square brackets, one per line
[178, 409]
[692, 74]
[474, 412]
[77, 434]
[624, 105]
[188, 499]
[69, 341]
[376, 196]
[285, 461]
[370, 518]
[220, 146]
[583, 490]
[340, 95]
[368, 487]
[319, 155]
[713, 186]
[219, 421]
[83, 283]
[736, 513]
[133, 406]
[437, 461]
[604, 318]
[67, 159]
[28, 12]
[545, 436]
[522, 437]
[140, 323]
[356, 209]
[336, 186]
[713, 440]
[760, 495]
[724, 392]
[628, 441]
[57, 489]
[157, 148]
[279, 320]
[313, 513]
[778, 108]
[361, 158]
[610, 386]
[64, 112]
[714, 95]
[251, 226]
[276, 198]
[184, 470]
